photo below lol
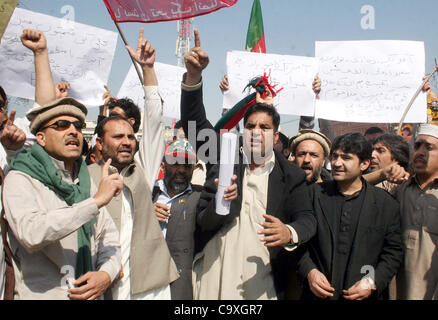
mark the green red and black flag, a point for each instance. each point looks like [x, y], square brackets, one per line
[230, 119]
[255, 38]
[255, 42]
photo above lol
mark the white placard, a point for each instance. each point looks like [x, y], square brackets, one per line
[370, 81]
[226, 169]
[78, 53]
[292, 73]
[169, 82]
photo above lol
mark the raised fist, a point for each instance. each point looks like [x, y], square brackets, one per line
[34, 40]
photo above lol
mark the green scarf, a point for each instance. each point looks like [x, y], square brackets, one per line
[36, 163]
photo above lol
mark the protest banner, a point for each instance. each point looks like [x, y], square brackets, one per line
[162, 10]
[294, 74]
[169, 81]
[79, 54]
[370, 81]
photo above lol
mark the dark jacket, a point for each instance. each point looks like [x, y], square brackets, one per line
[288, 200]
[181, 238]
[193, 110]
[377, 241]
[288, 197]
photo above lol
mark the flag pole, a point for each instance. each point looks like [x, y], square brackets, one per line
[133, 61]
[415, 97]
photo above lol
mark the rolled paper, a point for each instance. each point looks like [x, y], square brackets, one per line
[226, 169]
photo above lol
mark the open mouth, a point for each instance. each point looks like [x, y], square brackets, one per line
[125, 151]
[74, 143]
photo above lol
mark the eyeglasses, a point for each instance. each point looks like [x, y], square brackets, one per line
[65, 124]
[3, 105]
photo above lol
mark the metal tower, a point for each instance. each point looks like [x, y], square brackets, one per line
[183, 39]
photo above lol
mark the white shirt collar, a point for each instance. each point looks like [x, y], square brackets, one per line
[264, 169]
[160, 184]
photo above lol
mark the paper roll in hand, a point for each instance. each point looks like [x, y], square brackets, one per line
[228, 151]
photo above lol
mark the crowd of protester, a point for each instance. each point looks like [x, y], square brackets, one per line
[313, 216]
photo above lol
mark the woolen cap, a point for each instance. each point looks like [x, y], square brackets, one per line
[64, 106]
[309, 134]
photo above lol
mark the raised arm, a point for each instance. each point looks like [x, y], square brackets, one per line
[196, 61]
[151, 147]
[192, 104]
[44, 85]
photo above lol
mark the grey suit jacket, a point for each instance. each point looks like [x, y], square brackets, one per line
[181, 238]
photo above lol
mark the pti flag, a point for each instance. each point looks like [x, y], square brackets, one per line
[162, 10]
[255, 38]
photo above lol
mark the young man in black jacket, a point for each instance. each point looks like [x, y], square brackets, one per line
[358, 247]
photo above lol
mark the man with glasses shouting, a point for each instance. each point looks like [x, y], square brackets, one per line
[64, 244]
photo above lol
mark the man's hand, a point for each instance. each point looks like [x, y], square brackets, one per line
[268, 99]
[110, 186]
[145, 56]
[145, 53]
[275, 232]
[95, 284]
[196, 60]
[316, 86]
[230, 192]
[34, 40]
[223, 85]
[12, 137]
[117, 279]
[395, 173]
[319, 284]
[427, 86]
[61, 89]
[161, 211]
[106, 97]
[359, 291]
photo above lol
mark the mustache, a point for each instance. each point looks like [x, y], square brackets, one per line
[421, 158]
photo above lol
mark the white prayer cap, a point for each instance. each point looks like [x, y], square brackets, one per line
[428, 130]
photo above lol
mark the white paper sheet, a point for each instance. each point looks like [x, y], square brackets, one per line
[226, 169]
[294, 74]
[370, 81]
[169, 82]
[78, 53]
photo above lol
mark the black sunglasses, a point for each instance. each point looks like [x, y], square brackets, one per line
[3, 105]
[65, 124]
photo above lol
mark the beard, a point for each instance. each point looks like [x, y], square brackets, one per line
[176, 187]
[315, 176]
[116, 160]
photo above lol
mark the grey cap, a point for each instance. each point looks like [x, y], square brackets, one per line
[64, 106]
[309, 134]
